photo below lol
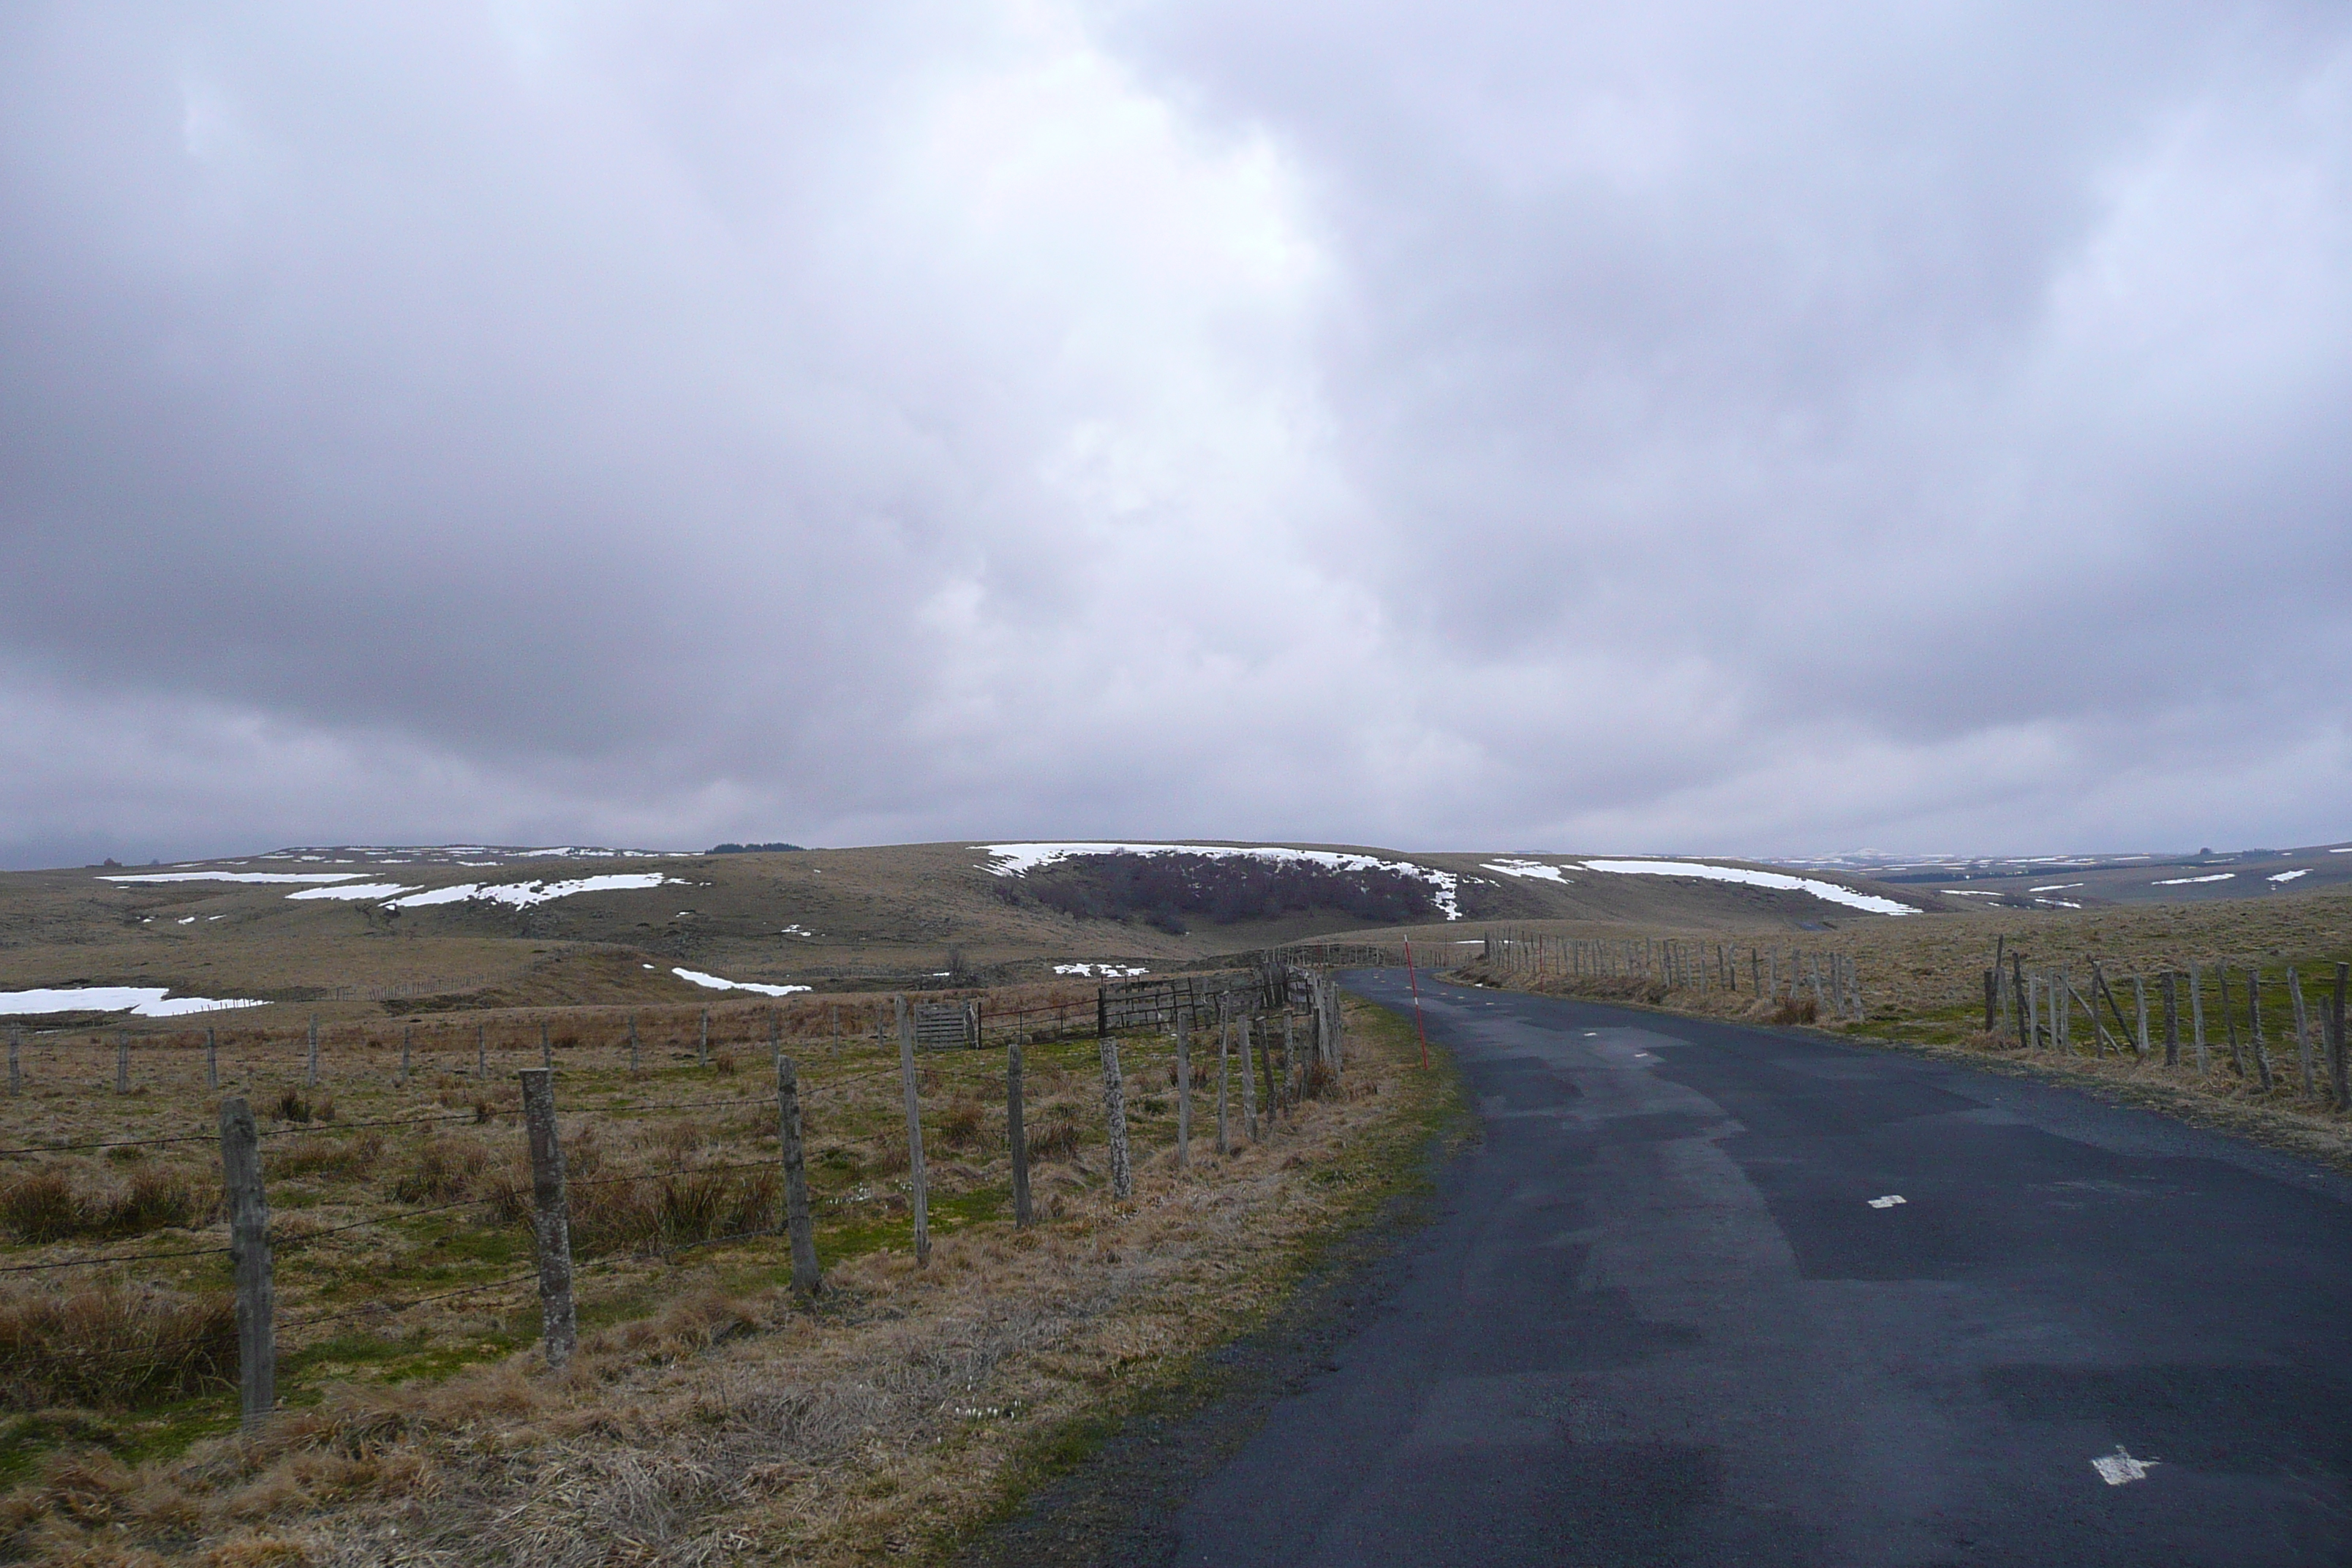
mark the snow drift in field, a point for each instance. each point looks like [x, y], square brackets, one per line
[146, 1001]
[522, 895]
[2184, 881]
[355, 890]
[1830, 892]
[716, 983]
[1017, 859]
[2291, 876]
[1101, 971]
[1536, 868]
[241, 877]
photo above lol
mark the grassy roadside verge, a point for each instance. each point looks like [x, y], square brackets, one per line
[1100, 1488]
[905, 1411]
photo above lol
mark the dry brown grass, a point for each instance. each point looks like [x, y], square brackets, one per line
[62, 1204]
[733, 1422]
[112, 1345]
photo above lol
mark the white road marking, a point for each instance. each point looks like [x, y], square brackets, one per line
[1889, 1201]
[2120, 1468]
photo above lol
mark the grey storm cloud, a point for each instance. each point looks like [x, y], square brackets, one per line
[1683, 426]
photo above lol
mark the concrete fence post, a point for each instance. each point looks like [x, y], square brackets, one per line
[1122, 1171]
[1249, 1080]
[551, 1218]
[249, 1255]
[806, 1278]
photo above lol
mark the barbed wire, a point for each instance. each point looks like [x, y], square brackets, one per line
[111, 1258]
[126, 1353]
[300, 1238]
[112, 1144]
[478, 1116]
[671, 1253]
[670, 1175]
[385, 1309]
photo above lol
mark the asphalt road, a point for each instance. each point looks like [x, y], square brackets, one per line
[1663, 1321]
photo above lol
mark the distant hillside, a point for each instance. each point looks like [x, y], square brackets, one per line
[424, 928]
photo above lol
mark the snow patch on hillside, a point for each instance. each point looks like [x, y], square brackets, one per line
[522, 895]
[145, 1001]
[1830, 892]
[241, 877]
[714, 983]
[1536, 868]
[355, 890]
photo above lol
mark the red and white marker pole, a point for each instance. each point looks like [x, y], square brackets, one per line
[1419, 1027]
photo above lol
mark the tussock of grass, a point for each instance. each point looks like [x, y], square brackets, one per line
[443, 1170]
[51, 1205]
[112, 1347]
[291, 1159]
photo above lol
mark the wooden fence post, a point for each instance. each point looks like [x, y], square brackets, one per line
[551, 1218]
[2197, 1017]
[249, 1255]
[702, 1041]
[2139, 1004]
[2336, 1054]
[481, 1053]
[310, 1074]
[2171, 1018]
[1122, 1172]
[917, 1180]
[2254, 1025]
[1224, 1076]
[407, 1038]
[806, 1278]
[1266, 1071]
[1184, 1089]
[16, 1072]
[2301, 1027]
[2018, 997]
[1249, 1080]
[2230, 1022]
[633, 1045]
[123, 1061]
[2033, 1036]
[1016, 1131]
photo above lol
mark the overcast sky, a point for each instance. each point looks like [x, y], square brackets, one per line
[1658, 426]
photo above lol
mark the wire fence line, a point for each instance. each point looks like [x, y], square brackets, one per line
[1291, 1045]
[485, 1049]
